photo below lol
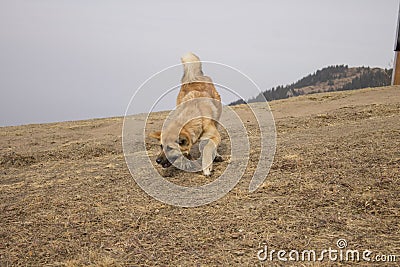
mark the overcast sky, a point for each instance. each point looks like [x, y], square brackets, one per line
[77, 59]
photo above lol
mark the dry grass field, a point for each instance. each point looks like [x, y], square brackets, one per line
[67, 197]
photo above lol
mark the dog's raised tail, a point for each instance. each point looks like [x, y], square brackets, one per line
[192, 70]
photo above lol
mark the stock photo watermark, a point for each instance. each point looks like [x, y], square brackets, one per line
[165, 83]
[340, 253]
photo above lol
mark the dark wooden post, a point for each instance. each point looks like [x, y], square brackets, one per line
[396, 65]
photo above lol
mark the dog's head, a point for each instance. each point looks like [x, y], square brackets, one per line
[172, 148]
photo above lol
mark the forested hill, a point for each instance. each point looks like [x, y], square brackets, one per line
[332, 78]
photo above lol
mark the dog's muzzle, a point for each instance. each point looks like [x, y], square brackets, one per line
[164, 162]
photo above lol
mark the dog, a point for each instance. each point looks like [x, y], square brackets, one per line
[198, 109]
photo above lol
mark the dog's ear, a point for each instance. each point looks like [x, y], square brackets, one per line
[155, 135]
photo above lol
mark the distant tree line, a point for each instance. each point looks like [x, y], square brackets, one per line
[366, 77]
[369, 78]
[323, 75]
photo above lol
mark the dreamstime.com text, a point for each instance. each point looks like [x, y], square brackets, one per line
[340, 253]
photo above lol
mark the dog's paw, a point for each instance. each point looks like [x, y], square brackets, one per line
[207, 172]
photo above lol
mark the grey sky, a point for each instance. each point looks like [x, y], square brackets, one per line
[69, 59]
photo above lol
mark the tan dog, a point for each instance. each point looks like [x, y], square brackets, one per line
[198, 108]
